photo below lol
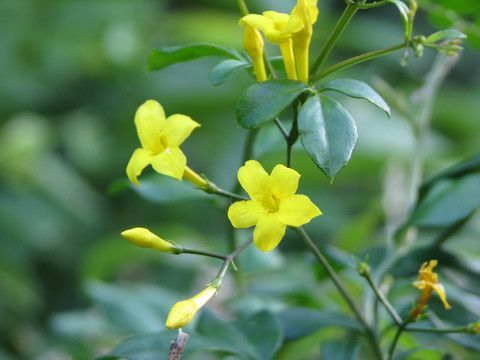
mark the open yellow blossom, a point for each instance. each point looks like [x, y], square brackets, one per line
[428, 282]
[253, 45]
[184, 311]
[160, 139]
[273, 204]
[282, 29]
[145, 238]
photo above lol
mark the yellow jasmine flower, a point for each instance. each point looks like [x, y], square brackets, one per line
[184, 311]
[287, 30]
[145, 238]
[253, 45]
[160, 139]
[428, 282]
[305, 13]
[272, 24]
[274, 204]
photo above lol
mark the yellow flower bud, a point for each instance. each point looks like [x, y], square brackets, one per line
[253, 45]
[145, 238]
[183, 311]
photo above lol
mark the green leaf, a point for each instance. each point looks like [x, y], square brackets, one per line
[328, 133]
[264, 331]
[264, 101]
[444, 34]
[447, 202]
[341, 349]
[166, 56]
[468, 166]
[224, 70]
[404, 11]
[359, 90]
[298, 322]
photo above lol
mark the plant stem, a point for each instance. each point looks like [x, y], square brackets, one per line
[370, 5]
[332, 39]
[229, 258]
[341, 288]
[357, 59]
[460, 329]
[201, 252]
[242, 7]
[398, 320]
[395, 340]
[214, 189]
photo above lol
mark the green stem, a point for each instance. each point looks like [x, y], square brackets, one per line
[395, 340]
[242, 7]
[184, 250]
[460, 329]
[370, 5]
[358, 59]
[341, 288]
[398, 320]
[332, 39]
[214, 189]
[229, 259]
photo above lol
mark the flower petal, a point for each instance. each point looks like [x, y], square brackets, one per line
[170, 162]
[270, 23]
[139, 160]
[441, 293]
[177, 128]
[297, 210]
[284, 181]
[150, 120]
[268, 232]
[244, 214]
[254, 179]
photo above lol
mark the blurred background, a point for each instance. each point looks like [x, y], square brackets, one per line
[72, 74]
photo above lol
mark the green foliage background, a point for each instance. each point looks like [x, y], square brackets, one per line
[72, 75]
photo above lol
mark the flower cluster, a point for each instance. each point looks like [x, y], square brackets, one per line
[292, 33]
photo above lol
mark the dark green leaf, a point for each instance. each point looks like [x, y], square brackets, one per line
[264, 101]
[328, 133]
[220, 73]
[447, 202]
[444, 34]
[166, 56]
[298, 322]
[264, 331]
[342, 349]
[359, 90]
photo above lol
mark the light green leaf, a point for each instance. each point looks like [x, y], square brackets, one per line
[264, 101]
[224, 70]
[357, 89]
[444, 34]
[166, 56]
[328, 133]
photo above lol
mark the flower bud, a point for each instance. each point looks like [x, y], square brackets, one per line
[183, 311]
[473, 328]
[145, 238]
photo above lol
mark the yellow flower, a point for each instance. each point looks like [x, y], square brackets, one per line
[281, 28]
[160, 139]
[428, 282]
[305, 13]
[274, 204]
[253, 45]
[145, 238]
[184, 311]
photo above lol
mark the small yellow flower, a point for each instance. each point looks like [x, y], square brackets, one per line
[274, 204]
[253, 45]
[145, 238]
[160, 139]
[184, 311]
[428, 282]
